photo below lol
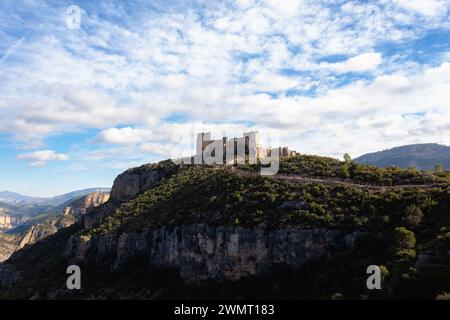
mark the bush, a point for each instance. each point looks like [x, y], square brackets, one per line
[404, 243]
[413, 215]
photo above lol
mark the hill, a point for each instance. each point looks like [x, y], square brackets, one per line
[189, 232]
[35, 230]
[23, 200]
[13, 197]
[25, 211]
[420, 156]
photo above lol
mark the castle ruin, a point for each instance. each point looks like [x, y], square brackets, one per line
[245, 149]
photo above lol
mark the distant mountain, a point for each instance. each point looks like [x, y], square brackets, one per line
[19, 199]
[13, 197]
[420, 156]
[24, 211]
[44, 225]
[58, 200]
[76, 203]
[66, 217]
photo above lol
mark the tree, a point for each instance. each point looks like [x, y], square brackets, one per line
[413, 215]
[344, 171]
[404, 243]
[438, 168]
[347, 158]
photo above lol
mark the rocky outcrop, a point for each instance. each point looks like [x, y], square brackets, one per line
[8, 244]
[46, 229]
[70, 215]
[128, 185]
[205, 252]
[80, 207]
[137, 180]
[5, 221]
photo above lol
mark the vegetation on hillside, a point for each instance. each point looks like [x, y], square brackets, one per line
[311, 166]
[400, 224]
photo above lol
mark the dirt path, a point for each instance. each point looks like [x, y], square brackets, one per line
[300, 179]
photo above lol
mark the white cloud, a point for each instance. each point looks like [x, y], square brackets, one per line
[228, 64]
[41, 157]
[361, 63]
[126, 135]
[428, 7]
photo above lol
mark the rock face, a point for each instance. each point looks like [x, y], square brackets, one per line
[70, 215]
[204, 252]
[5, 221]
[80, 207]
[127, 186]
[46, 229]
[8, 244]
[137, 180]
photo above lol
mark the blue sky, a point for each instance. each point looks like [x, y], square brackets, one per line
[80, 105]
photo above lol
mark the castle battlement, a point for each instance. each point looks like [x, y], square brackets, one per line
[236, 150]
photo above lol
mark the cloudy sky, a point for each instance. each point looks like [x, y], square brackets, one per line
[80, 105]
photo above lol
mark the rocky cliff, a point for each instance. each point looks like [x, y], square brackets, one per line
[137, 180]
[8, 244]
[130, 184]
[81, 206]
[70, 215]
[5, 221]
[203, 252]
[45, 229]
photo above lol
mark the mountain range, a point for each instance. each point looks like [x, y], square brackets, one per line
[38, 228]
[24, 211]
[420, 156]
[14, 198]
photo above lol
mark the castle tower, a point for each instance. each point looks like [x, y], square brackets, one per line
[252, 146]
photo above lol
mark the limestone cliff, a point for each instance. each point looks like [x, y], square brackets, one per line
[70, 215]
[137, 180]
[128, 185]
[200, 251]
[80, 207]
[5, 221]
[8, 244]
[203, 252]
[45, 229]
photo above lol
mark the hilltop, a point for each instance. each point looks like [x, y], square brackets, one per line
[184, 231]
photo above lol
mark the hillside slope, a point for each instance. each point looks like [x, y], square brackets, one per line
[196, 231]
[39, 231]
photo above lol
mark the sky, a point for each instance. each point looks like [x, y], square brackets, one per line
[91, 88]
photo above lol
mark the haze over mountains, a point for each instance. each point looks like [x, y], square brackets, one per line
[10, 197]
[20, 211]
[420, 156]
